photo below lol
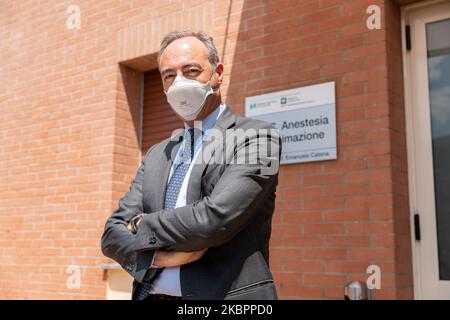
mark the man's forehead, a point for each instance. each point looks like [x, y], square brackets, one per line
[184, 50]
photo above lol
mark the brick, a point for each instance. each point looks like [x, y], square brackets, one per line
[324, 179]
[323, 228]
[303, 266]
[346, 241]
[347, 215]
[286, 253]
[371, 228]
[302, 216]
[324, 279]
[324, 253]
[324, 203]
[299, 291]
[321, 15]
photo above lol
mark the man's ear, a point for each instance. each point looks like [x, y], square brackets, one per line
[219, 71]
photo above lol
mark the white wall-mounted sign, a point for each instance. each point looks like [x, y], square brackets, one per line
[305, 118]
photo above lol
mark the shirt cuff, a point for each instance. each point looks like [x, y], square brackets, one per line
[152, 265]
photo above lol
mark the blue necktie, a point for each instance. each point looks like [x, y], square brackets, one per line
[176, 181]
[173, 190]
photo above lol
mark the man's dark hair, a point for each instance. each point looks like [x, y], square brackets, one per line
[203, 37]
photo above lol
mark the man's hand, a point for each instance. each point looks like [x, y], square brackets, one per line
[134, 223]
[164, 258]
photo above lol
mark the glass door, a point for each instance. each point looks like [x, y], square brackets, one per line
[427, 74]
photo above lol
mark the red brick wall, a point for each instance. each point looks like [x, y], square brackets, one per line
[69, 132]
[57, 132]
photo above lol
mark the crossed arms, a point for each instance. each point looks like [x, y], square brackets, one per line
[183, 235]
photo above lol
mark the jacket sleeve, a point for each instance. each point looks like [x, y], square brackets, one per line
[216, 219]
[118, 243]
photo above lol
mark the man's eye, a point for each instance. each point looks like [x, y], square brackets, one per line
[193, 71]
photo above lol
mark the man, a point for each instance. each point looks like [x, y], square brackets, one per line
[193, 227]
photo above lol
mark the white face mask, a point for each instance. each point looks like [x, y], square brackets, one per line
[187, 97]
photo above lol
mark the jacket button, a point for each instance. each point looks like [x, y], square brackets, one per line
[152, 240]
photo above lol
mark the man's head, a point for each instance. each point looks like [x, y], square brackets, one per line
[191, 55]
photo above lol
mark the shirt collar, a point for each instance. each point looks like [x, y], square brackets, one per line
[207, 124]
[210, 121]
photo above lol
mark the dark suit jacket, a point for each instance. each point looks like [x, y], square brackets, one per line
[229, 210]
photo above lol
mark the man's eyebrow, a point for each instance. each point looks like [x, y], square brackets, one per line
[189, 65]
[192, 65]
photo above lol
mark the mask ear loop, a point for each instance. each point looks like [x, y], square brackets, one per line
[209, 81]
[209, 84]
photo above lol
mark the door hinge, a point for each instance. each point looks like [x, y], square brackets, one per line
[408, 37]
[417, 234]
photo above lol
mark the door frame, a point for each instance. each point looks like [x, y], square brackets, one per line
[411, 115]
